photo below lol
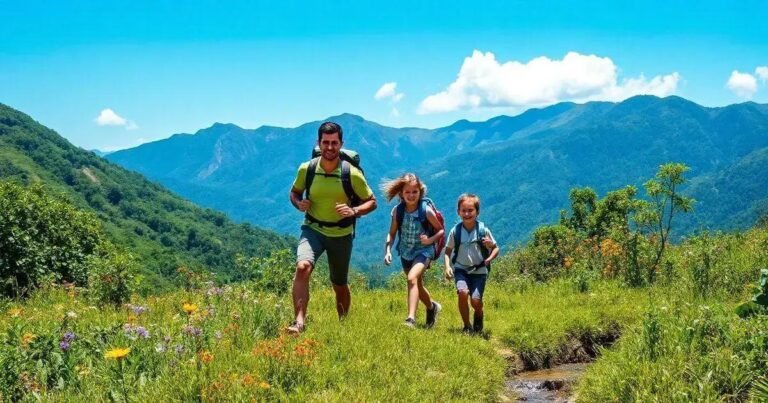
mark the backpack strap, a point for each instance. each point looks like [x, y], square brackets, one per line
[482, 232]
[310, 176]
[423, 204]
[399, 216]
[456, 242]
[346, 183]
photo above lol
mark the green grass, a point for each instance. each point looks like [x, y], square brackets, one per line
[369, 356]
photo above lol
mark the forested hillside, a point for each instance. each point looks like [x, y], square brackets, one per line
[162, 230]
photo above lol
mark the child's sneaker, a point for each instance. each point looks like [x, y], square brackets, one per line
[467, 329]
[432, 313]
[410, 322]
[477, 324]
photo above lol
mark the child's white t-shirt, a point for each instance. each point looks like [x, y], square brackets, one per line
[469, 253]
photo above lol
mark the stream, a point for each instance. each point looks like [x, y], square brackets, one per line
[547, 385]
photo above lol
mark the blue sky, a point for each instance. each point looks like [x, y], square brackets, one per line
[112, 74]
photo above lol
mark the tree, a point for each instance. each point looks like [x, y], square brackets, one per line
[583, 203]
[657, 214]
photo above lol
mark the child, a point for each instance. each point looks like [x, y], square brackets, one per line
[415, 244]
[469, 250]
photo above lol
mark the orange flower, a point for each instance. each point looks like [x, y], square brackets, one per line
[205, 356]
[568, 262]
[248, 380]
[27, 338]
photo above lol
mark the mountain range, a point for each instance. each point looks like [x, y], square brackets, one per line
[523, 166]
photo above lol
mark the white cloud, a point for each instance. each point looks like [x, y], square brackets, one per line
[483, 82]
[389, 90]
[762, 73]
[744, 85]
[108, 117]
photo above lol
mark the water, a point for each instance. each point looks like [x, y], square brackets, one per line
[547, 385]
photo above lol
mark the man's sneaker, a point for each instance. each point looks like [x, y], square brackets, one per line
[410, 322]
[432, 313]
[477, 325]
[467, 329]
[295, 328]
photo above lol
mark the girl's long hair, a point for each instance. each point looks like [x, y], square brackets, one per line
[393, 187]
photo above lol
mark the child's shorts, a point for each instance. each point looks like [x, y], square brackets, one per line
[473, 283]
[407, 264]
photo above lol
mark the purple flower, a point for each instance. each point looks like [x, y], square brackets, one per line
[68, 337]
[142, 332]
[138, 309]
[64, 345]
[192, 331]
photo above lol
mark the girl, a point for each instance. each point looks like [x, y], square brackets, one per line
[415, 221]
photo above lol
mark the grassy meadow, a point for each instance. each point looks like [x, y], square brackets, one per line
[658, 320]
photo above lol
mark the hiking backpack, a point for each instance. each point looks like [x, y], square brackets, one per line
[349, 159]
[439, 243]
[481, 233]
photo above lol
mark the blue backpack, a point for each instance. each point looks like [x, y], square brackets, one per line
[481, 233]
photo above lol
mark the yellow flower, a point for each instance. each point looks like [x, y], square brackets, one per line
[264, 385]
[117, 353]
[189, 308]
[15, 312]
[27, 338]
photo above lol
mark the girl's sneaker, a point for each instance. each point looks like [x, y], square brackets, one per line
[410, 322]
[432, 313]
[477, 325]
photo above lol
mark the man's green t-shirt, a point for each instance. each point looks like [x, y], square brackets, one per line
[326, 192]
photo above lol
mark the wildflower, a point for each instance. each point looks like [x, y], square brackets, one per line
[71, 315]
[68, 337]
[27, 338]
[248, 380]
[64, 345]
[217, 335]
[192, 330]
[264, 385]
[206, 356]
[15, 312]
[189, 308]
[160, 347]
[179, 349]
[138, 309]
[117, 353]
[142, 332]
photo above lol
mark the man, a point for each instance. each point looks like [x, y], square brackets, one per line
[329, 221]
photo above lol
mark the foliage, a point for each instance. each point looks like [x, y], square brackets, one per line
[43, 236]
[112, 276]
[272, 273]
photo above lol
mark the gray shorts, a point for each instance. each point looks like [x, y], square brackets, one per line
[312, 244]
